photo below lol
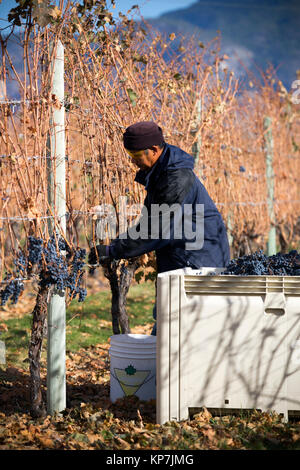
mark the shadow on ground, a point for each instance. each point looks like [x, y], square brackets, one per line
[80, 391]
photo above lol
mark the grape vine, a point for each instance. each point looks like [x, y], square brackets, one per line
[55, 264]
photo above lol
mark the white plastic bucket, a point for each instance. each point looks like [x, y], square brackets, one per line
[132, 366]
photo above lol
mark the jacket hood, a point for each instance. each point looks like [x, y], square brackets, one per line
[172, 158]
[178, 158]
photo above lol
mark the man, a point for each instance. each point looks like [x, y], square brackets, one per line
[167, 173]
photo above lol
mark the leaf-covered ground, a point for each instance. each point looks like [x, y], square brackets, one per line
[91, 421]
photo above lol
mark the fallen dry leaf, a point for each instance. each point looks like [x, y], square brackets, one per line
[204, 416]
[208, 432]
[46, 442]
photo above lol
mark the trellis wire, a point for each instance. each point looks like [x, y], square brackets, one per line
[78, 212]
[96, 161]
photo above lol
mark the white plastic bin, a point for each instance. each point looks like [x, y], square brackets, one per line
[132, 366]
[227, 342]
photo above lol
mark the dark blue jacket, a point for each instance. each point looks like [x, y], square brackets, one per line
[172, 181]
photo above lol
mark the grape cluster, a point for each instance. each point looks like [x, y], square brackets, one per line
[21, 263]
[35, 249]
[12, 291]
[56, 264]
[63, 271]
[54, 270]
[258, 264]
[76, 274]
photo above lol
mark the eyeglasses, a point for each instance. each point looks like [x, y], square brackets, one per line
[135, 155]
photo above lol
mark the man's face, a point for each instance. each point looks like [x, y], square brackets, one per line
[145, 159]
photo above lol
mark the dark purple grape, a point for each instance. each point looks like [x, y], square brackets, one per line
[258, 264]
[35, 248]
[56, 264]
[12, 290]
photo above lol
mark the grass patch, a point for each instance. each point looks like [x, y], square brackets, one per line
[90, 323]
[87, 323]
[17, 340]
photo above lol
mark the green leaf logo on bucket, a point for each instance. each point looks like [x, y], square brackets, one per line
[130, 370]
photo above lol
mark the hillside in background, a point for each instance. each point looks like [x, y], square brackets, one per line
[258, 33]
[254, 34]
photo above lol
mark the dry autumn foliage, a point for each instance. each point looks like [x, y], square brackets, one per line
[116, 75]
[124, 74]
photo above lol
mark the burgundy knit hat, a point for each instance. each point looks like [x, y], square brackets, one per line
[142, 135]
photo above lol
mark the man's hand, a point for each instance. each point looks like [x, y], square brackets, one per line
[98, 255]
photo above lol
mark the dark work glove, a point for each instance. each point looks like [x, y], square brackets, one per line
[99, 256]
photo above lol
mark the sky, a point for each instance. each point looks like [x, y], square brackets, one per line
[153, 8]
[148, 8]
